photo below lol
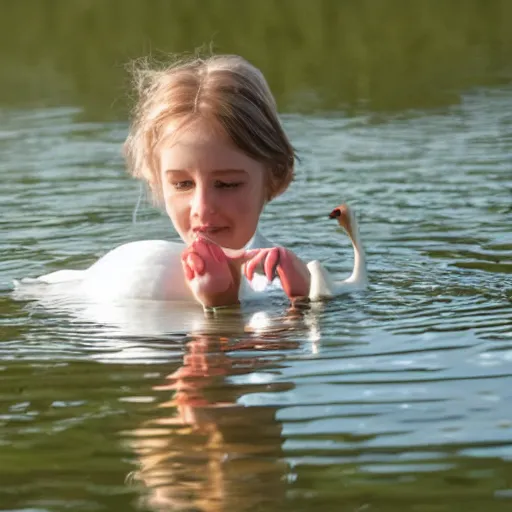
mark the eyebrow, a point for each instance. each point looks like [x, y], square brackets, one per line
[213, 171]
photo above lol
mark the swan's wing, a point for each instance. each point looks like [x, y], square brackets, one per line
[60, 276]
[55, 284]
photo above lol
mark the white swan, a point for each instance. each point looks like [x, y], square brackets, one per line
[322, 286]
[151, 270]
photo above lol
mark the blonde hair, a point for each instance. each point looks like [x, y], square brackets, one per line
[225, 89]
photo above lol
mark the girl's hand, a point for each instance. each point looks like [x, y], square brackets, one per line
[213, 277]
[293, 272]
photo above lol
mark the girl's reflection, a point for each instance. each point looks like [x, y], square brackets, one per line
[213, 453]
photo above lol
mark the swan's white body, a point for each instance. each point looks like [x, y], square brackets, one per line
[151, 270]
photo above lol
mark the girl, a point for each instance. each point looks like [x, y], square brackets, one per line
[206, 137]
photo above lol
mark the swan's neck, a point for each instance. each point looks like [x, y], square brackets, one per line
[358, 275]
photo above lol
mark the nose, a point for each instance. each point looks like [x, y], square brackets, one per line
[203, 202]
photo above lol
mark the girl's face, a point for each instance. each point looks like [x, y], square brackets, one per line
[210, 186]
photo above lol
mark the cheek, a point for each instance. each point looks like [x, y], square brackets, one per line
[254, 198]
[243, 206]
[247, 213]
[168, 202]
[170, 211]
[176, 210]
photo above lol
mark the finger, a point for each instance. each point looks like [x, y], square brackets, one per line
[250, 266]
[189, 273]
[247, 255]
[200, 246]
[294, 285]
[239, 255]
[285, 282]
[217, 253]
[286, 275]
[209, 250]
[196, 263]
[271, 263]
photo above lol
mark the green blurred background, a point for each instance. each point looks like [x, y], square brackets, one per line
[384, 55]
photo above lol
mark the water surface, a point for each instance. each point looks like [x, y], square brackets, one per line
[395, 399]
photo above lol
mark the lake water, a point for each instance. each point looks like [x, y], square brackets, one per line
[399, 398]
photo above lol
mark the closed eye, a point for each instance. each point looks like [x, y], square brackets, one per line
[228, 184]
[183, 185]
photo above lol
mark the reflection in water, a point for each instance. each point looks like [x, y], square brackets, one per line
[208, 451]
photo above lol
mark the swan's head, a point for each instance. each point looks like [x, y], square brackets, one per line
[346, 219]
[344, 216]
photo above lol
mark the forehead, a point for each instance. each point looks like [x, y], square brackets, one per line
[202, 145]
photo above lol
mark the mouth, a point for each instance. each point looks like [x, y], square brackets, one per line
[335, 213]
[210, 232]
